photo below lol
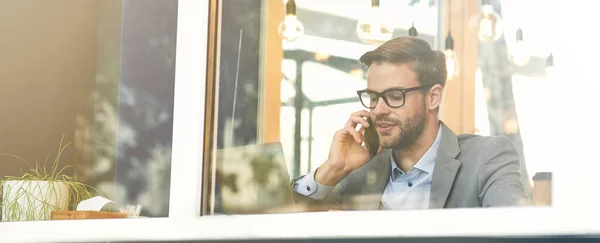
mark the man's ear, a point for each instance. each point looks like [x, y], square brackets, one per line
[435, 96]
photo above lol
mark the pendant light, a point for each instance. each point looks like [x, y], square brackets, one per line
[290, 29]
[372, 28]
[452, 67]
[487, 23]
[518, 52]
[413, 31]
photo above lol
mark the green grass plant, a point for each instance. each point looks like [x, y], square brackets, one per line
[41, 189]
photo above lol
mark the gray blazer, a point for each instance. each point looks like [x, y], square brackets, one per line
[470, 171]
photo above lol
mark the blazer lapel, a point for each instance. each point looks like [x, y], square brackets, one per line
[375, 180]
[445, 169]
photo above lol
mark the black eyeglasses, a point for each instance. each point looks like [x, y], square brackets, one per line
[393, 97]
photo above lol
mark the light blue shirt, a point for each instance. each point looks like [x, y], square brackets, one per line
[404, 190]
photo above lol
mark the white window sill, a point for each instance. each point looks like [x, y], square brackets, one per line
[423, 223]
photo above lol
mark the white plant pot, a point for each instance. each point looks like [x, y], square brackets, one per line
[33, 200]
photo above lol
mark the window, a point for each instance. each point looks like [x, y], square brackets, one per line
[279, 100]
[504, 105]
[99, 74]
[572, 200]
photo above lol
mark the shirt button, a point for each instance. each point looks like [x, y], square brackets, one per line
[308, 188]
[410, 184]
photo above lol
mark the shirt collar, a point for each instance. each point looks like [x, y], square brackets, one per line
[427, 162]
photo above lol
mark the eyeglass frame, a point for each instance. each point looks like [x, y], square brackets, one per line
[385, 100]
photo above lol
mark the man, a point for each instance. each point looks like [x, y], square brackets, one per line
[421, 163]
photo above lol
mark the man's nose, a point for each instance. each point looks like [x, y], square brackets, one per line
[381, 107]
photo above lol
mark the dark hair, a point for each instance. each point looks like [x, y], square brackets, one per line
[429, 65]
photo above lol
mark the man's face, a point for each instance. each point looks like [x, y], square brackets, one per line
[397, 127]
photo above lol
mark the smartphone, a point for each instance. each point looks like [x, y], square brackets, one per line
[371, 138]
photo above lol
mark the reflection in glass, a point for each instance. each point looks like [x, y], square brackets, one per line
[319, 78]
[373, 28]
[518, 52]
[488, 24]
[452, 66]
[291, 28]
[104, 78]
[253, 179]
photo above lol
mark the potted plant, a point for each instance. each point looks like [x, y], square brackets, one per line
[40, 190]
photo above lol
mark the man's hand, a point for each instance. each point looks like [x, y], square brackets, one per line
[346, 153]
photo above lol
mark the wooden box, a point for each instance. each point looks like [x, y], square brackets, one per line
[65, 215]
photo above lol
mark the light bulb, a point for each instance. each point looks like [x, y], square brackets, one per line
[452, 67]
[290, 28]
[488, 24]
[518, 52]
[372, 28]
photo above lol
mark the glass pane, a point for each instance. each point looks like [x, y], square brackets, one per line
[98, 77]
[291, 94]
[504, 104]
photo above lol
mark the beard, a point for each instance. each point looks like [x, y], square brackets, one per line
[411, 129]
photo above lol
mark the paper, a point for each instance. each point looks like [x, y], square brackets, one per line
[92, 204]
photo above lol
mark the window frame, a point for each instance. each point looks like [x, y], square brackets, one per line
[572, 213]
